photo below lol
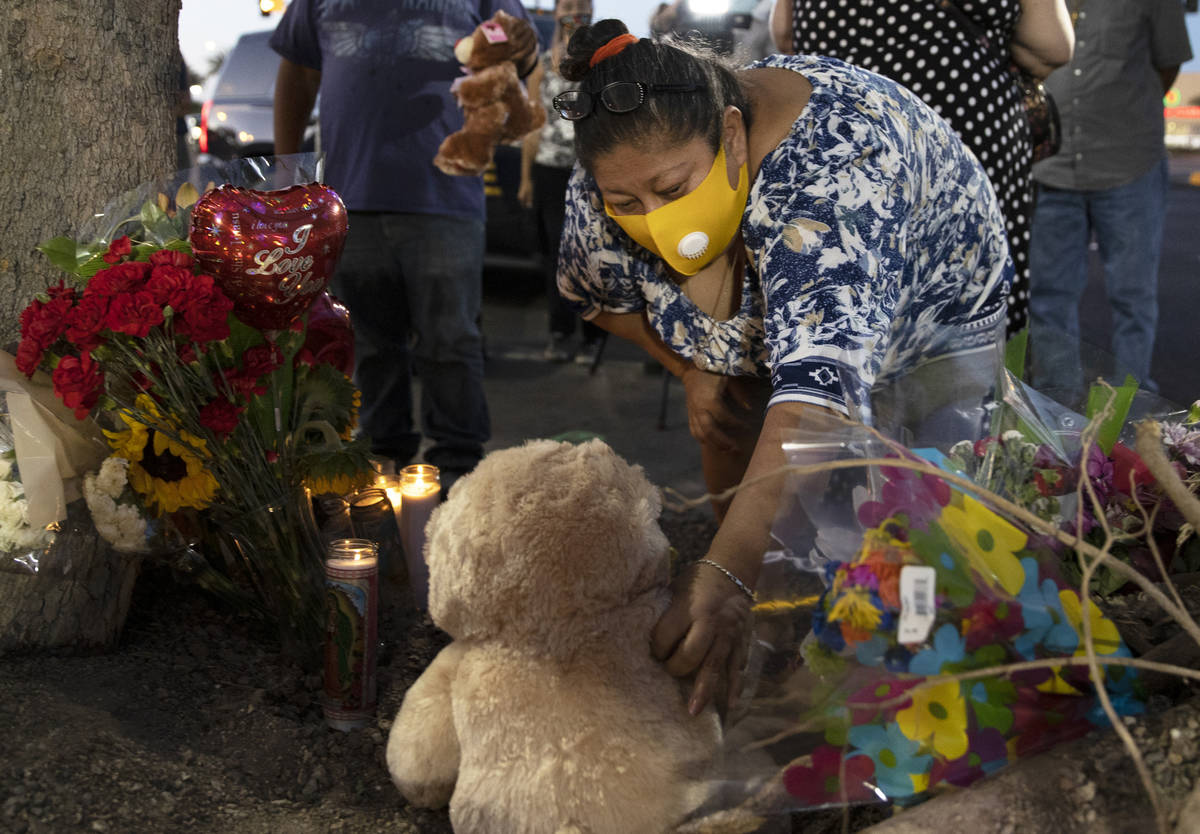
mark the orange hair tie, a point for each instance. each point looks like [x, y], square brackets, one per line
[611, 48]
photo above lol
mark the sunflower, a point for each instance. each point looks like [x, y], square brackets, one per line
[169, 473]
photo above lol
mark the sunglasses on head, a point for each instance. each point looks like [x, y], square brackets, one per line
[617, 97]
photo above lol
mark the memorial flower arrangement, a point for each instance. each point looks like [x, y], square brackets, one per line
[953, 587]
[203, 343]
[943, 585]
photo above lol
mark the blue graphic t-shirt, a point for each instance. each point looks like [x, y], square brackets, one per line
[386, 69]
[875, 244]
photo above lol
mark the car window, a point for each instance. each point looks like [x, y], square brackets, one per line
[249, 70]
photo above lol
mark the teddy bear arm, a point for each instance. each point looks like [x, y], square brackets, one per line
[422, 748]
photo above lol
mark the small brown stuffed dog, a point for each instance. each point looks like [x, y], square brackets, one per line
[547, 713]
[495, 105]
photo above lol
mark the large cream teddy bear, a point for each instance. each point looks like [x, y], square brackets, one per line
[547, 713]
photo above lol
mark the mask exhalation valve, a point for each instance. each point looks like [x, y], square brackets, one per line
[693, 245]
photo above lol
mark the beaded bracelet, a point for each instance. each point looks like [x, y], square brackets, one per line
[741, 585]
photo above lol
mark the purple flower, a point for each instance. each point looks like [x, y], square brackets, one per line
[916, 496]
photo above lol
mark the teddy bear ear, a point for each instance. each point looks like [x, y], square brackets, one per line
[462, 49]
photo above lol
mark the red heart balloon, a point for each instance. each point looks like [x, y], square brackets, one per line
[271, 252]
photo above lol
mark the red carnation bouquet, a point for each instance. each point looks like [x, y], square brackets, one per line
[220, 424]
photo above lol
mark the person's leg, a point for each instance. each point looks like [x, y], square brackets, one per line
[1057, 278]
[370, 283]
[549, 206]
[443, 268]
[1129, 228]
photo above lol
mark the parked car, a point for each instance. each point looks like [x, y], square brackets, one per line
[237, 119]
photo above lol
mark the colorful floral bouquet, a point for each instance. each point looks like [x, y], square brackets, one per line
[899, 685]
[221, 403]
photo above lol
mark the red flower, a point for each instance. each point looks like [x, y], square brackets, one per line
[171, 285]
[257, 362]
[86, 320]
[205, 316]
[61, 290]
[1126, 464]
[171, 257]
[220, 416]
[122, 278]
[134, 314]
[261, 360]
[118, 250]
[29, 355]
[828, 780]
[186, 353]
[78, 382]
[44, 321]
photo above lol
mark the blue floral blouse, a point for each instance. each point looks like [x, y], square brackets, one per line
[875, 243]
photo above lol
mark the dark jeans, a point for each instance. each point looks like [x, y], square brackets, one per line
[1127, 222]
[413, 284]
[549, 207]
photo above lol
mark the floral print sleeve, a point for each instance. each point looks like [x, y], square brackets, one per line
[877, 237]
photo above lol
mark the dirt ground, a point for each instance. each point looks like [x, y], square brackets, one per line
[194, 724]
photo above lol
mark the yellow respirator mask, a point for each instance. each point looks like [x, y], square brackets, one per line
[688, 233]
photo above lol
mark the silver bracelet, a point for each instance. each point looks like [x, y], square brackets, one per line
[742, 586]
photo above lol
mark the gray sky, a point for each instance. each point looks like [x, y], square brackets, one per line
[207, 27]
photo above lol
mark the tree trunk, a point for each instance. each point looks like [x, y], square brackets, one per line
[78, 598]
[87, 112]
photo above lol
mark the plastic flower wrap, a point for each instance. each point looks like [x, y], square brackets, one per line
[887, 582]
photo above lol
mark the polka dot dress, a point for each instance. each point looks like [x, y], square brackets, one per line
[924, 48]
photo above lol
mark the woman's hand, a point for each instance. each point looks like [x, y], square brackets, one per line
[525, 191]
[719, 409]
[705, 631]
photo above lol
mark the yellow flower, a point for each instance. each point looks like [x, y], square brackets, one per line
[170, 474]
[938, 713]
[989, 542]
[855, 608]
[1105, 636]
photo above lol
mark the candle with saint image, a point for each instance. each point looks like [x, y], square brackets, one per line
[351, 632]
[420, 488]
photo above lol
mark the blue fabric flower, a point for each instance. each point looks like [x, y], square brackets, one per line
[895, 757]
[948, 647]
[1045, 623]
[871, 652]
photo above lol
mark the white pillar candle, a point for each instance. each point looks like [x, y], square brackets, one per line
[420, 487]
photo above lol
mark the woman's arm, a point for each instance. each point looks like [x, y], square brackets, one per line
[704, 630]
[719, 411]
[781, 26]
[529, 145]
[1044, 38]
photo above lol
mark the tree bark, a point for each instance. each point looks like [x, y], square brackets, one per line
[89, 88]
[78, 598]
[86, 113]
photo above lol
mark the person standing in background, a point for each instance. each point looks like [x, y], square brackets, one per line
[411, 270]
[1109, 181]
[924, 46]
[547, 157]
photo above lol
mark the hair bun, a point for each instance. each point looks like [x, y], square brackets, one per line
[584, 43]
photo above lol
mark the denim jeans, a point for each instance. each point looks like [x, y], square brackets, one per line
[1127, 222]
[413, 284]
